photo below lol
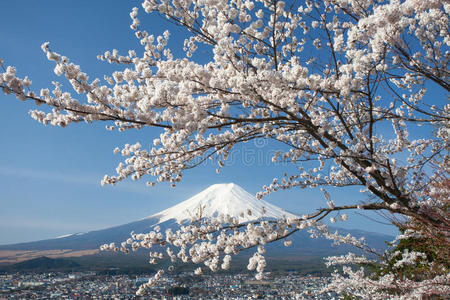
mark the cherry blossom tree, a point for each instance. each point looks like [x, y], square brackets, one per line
[341, 85]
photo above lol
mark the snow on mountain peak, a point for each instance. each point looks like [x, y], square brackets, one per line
[227, 199]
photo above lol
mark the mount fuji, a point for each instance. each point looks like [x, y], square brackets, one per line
[217, 199]
[226, 199]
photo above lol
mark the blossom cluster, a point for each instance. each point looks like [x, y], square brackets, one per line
[255, 86]
[355, 281]
[214, 241]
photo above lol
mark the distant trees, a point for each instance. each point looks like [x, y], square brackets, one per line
[342, 85]
[178, 290]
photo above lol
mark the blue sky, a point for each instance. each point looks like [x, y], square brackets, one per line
[50, 177]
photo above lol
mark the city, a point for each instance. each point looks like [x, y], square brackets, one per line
[83, 285]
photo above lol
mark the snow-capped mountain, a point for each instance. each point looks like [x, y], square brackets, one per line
[226, 199]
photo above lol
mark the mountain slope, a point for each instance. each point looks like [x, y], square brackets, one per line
[42, 264]
[215, 200]
[227, 199]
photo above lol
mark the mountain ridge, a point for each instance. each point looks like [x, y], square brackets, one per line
[216, 200]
